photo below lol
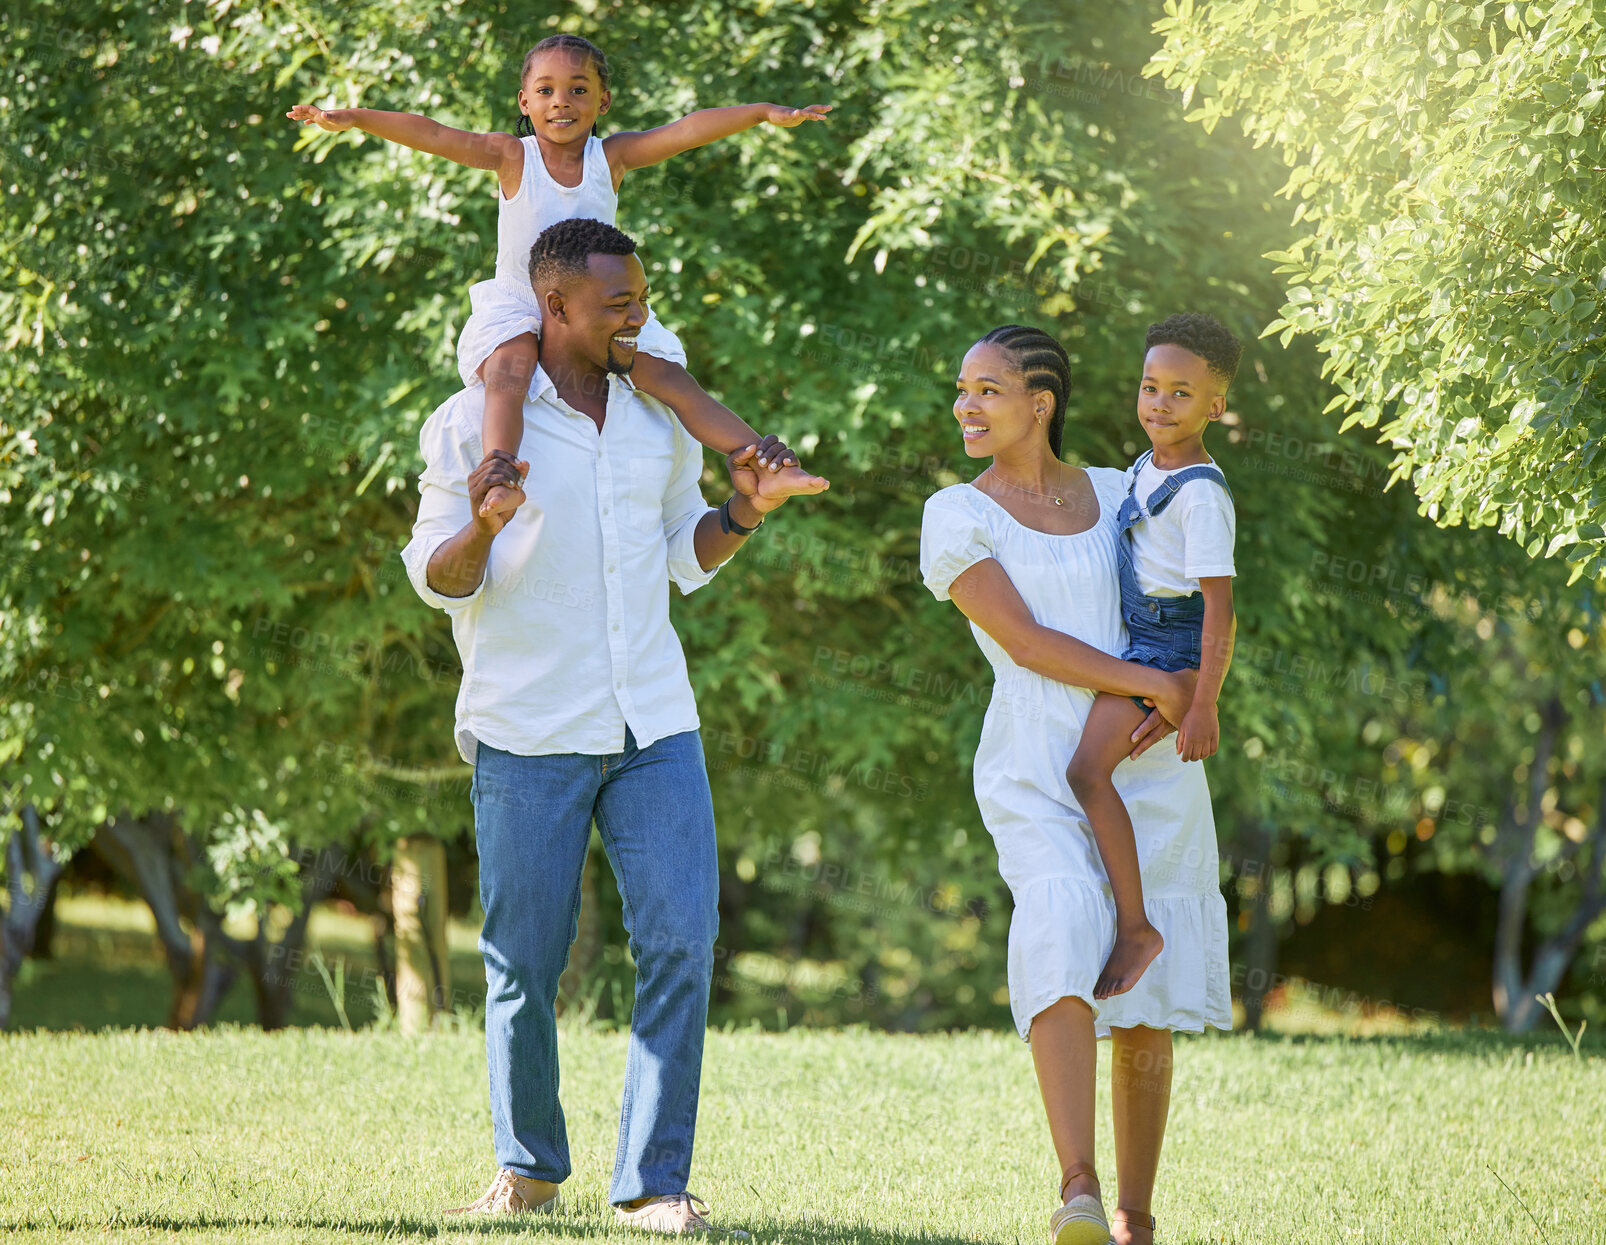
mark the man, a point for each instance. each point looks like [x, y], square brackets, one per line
[575, 706]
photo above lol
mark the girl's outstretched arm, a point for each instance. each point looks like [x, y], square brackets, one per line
[636, 149]
[500, 152]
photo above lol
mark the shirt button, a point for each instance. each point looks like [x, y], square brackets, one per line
[610, 570]
[605, 510]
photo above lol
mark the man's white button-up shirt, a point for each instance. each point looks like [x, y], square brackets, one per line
[566, 641]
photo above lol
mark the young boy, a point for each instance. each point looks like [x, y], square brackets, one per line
[1175, 559]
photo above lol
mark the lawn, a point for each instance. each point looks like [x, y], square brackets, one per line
[317, 1134]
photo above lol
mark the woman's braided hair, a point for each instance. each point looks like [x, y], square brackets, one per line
[1043, 363]
[570, 43]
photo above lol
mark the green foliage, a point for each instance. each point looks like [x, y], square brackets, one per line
[223, 333]
[1446, 161]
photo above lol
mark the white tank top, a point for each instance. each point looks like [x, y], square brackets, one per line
[541, 201]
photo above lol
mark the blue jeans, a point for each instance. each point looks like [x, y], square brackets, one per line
[532, 822]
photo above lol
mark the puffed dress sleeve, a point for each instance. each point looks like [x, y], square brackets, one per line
[953, 538]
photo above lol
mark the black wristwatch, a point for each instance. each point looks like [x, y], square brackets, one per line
[729, 525]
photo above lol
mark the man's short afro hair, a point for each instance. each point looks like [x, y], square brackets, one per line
[1204, 336]
[563, 249]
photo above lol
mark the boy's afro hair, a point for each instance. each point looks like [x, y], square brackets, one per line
[1203, 335]
[564, 249]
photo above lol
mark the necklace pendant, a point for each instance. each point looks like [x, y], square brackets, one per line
[1059, 501]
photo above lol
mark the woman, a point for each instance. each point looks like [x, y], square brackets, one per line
[1027, 552]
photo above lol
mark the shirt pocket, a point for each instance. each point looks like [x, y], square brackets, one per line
[646, 486]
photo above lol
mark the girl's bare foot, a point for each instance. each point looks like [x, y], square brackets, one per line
[501, 499]
[1133, 952]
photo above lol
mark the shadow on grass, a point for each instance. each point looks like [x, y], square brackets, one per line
[583, 1227]
[1485, 1042]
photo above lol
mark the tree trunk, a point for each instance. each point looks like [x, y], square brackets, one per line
[152, 853]
[1517, 993]
[418, 901]
[31, 873]
[1514, 1001]
[275, 966]
[1260, 945]
[44, 934]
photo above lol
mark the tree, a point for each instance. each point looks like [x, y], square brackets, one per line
[1446, 161]
[1508, 768]
[216, 403]
[31, 871]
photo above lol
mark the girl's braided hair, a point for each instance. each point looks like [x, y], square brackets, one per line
[566, 43]
[1043, 363]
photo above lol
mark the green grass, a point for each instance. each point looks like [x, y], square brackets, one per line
[320, 1135]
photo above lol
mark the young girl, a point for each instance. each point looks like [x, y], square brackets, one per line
[1175, 562]
[557, 169]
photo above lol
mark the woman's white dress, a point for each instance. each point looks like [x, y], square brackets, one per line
[1064, 922]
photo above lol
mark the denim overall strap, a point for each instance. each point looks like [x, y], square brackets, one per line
[1129, 514]
[1162, 496]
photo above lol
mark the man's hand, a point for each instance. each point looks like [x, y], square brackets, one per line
[1199, 733]
[497, 467]
[786, 118]
[763, 490]
[311, 114]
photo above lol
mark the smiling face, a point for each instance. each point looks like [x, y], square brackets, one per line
[994, 408]
[562, 95]
[599, 315]
[1178, 398]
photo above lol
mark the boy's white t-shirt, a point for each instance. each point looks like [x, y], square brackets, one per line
[1187, 541]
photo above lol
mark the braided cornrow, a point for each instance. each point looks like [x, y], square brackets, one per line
[1043, 364]
[569, 43]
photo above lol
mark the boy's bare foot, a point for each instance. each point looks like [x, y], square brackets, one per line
[502, 499]
[1133, 952]
[790, 482]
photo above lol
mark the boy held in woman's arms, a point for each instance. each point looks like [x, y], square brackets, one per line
[1175, 560]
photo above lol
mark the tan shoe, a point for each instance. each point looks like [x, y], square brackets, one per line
[674, 1212]
[1081, 1220]
[511, 1194]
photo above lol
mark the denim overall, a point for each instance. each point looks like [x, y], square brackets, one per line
[1163, 632]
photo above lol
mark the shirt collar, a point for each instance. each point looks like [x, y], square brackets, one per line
[543, 386]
